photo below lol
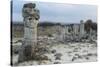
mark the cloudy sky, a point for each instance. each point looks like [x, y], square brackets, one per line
[58, 12]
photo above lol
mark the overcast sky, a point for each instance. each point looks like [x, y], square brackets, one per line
[58, 12]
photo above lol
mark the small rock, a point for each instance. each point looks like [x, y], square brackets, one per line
[15, 49]
[89, 54]
[53, 51]
[57, 58]
[58, 55]
[76, 54]
[87, 58]
[80, 57]
[56, 62]
[75, 50]
[74, 58]
[69, 52]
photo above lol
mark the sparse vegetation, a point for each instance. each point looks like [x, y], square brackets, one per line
[90, 24]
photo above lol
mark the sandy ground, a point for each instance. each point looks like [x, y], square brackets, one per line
[65, 53]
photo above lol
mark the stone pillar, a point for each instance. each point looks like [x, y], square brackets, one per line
[31, 19]
[66, 30]
[81, 29]
[63, 33]
[91, 35]
[76, 28]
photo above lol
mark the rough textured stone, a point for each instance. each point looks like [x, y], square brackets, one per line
[29, 48]
[81, 29]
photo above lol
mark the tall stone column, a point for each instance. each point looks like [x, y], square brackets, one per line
[31, 19]
[82, 32]
[91, 35]
[66, 30]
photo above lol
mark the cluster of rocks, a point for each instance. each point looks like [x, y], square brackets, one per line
[87, 56]
[57, 56]
[77, 33]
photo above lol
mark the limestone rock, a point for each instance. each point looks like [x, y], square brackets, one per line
[29, 50]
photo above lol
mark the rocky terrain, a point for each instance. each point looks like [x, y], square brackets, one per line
[59, 53]
[59, 47]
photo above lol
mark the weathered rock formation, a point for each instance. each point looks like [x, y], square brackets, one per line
[31, 19]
